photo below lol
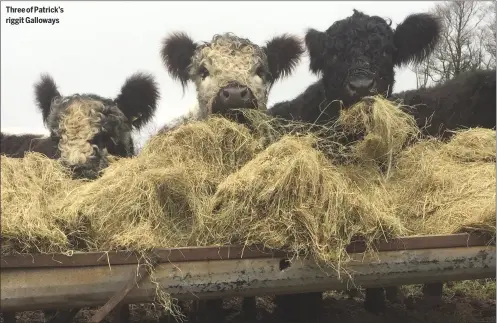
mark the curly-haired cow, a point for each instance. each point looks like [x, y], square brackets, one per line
[355, 57]
[86, 128]
[229, 73]
[468, 100]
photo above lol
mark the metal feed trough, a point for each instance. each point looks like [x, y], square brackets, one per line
[33, 282]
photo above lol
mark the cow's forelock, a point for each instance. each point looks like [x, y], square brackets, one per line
[229, 59]
[83, 124]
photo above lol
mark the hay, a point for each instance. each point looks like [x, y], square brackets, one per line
[197, 184]
[382, 127]
[443, 188]
[28, 187]
[290, 197]
[156, 198]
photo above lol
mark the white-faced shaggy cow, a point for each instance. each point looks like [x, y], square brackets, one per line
[86, 128]
[355, 57]
[229, 73]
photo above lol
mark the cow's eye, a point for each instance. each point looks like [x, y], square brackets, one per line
[103, 140]
[203, 72]
[260, 72]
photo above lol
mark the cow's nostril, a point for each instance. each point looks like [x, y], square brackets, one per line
[226, 94]
[244, 94]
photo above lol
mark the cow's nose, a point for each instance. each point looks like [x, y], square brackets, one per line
[361, 85]
[234, 97]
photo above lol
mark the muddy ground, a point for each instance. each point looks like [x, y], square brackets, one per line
[463, 302]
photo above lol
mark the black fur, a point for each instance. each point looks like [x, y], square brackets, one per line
[415, 38]
[138, 99]
[466, 101]
[359, 45]
[283, 54]
[45, 91]
[15, 146]
[176, 54]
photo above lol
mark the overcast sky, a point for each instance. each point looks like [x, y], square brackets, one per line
[97, 45]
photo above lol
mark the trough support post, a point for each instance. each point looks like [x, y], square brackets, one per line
[121, 314]
[65, 316]
[212, 309]
[394, 294]
[9, 317]
[117, 298]
[433, 292]
[375, 300]
[249, 308]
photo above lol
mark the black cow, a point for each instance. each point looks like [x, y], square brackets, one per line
[355, 58]
[86, 128]
[468, 100]
[229, 73]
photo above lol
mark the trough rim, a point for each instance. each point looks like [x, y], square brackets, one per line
[188, 254]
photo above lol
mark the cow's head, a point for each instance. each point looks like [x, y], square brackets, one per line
[357, 55]
[88, 127]
[230, 72]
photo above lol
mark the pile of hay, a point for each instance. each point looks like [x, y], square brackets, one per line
[28, 187]
[443, 188]
[217, 182]
[291, 197]
[382, 128]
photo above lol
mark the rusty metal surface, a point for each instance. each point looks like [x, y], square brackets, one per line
[137, 275]
[224, 252]
[220, 253]
[41, 288]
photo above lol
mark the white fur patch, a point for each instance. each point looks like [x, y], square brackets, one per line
[79, 124]
[228, 59]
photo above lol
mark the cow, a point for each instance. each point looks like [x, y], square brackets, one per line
[85, 129]
[465, 101]
[355, 57]
[229, 73]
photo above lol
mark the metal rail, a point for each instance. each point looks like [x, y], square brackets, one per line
[225, 252]
[191, 273]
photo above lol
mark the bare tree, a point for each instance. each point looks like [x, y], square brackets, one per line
[467, 41]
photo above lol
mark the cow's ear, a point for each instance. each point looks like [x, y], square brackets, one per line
[283, 54]
[177, 53]
[416, 37]
[45, 91]
[138, 99]
[315, 42]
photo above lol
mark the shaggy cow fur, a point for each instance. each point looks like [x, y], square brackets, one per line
[229, 72]
[465, 101]
[356, 57]
[86, 128]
